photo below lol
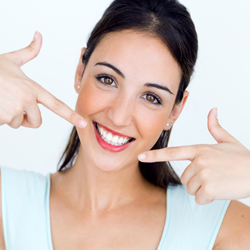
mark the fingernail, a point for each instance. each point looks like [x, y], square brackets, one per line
[142, 157]
[35, 36]
[82, 123]
[216, 112]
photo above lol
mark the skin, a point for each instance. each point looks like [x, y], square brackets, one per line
[122, 109]
[103, 198]
[101, 183]
[97, 184]
[94, 197]
[217, 172]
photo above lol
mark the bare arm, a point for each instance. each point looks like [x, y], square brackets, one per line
[235, 229]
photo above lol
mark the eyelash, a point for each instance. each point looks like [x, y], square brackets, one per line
[100, 76]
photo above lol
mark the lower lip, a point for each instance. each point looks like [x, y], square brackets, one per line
[110, 147]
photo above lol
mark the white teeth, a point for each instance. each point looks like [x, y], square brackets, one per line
[101, 131]
[120, 141]
[104, 134]
[115, 139]
[109, 137]
[125, 140]
[112, 139]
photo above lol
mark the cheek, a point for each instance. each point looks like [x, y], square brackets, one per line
[151, 126]
[150, 123]
[90, 100]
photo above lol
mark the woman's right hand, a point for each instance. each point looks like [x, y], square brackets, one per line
[19, 95]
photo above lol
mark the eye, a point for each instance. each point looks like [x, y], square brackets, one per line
[152, 98]
[105, 79]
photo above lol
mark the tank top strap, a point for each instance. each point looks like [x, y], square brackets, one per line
[24, 210]
[208, 219]
[192, 226]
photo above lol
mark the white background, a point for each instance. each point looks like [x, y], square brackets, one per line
[221, 76]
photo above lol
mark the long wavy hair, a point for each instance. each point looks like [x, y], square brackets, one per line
[165, 19]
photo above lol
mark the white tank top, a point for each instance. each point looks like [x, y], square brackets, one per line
[26, 215]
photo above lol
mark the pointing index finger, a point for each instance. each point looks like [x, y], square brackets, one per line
[181, 153]
[59, 107]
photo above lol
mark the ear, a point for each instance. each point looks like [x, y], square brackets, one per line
[79, 70]
[176, 111]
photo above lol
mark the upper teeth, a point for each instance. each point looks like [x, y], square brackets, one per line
[112, 139]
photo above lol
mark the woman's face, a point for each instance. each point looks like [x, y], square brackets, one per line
[126, 89]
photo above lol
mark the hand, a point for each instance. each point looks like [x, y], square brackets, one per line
[216, 172]
[19, 94]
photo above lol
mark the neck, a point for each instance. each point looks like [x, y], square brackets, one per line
[88, 187]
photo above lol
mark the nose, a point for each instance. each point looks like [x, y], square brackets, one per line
[121, 111]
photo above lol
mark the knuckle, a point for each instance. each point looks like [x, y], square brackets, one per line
[7, 119]
[153, 153]
[32, 50]
[15, 126]
[204, 148]
[197, 200]
[204, 175]
[28, 82]
[73, 116]
[189, 189]
[18, 108]
[28, 99]
[57, 104]
[207, 189]
[200, 162]
[171, 152]
[183, 180]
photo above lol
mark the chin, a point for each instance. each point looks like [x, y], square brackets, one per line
[108, 168]
[107, 164]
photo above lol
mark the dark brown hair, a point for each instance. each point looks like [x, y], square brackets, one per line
[165, 19]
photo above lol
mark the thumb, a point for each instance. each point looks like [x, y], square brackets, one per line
[218, 133]
[22, 56]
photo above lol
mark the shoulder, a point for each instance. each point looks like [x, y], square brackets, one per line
[235, 229]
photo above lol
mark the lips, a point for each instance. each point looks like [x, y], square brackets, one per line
[112, 131]
[108, 146]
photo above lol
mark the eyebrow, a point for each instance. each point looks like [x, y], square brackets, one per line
[158, 86]
[112, 67]
[152, 85]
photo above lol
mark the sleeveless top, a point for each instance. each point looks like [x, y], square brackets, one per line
[26, 215]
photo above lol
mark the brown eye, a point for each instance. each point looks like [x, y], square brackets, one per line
[108, 80]
[105, 80]
[150, 98]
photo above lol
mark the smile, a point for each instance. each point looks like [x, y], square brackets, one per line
[111, 140]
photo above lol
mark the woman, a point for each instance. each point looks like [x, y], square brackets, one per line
[131, 82]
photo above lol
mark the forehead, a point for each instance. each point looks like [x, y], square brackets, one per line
[138, 56]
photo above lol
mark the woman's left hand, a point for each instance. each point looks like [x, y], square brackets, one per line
[216, 172]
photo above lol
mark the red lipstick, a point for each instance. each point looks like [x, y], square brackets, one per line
[112, 131]
[108, 146]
